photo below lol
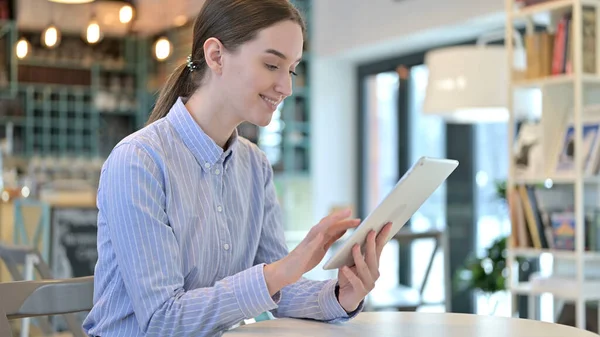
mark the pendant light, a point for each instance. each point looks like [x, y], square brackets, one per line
[93, 32]
[467, 84]
[162, 48]
[126, 9]
[22, 48]
[51, 37]
[126, 13]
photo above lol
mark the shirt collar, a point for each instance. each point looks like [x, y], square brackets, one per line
[204, 149]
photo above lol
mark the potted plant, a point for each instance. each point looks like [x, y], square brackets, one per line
[486, 273]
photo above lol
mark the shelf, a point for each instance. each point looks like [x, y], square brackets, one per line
[33, 62]
[589, 290]
[16, 120]
[555, 180]
[559, 254]
[564, 79]
[122, 113]
[550, 6]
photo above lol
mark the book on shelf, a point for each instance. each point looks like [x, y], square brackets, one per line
[535, 157]
[527, 151]
[550, 52]
[544, 219]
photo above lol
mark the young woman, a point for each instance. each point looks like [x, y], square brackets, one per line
[190, 239]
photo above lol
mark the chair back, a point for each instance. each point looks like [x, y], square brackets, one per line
[48, 296]
[22, 299]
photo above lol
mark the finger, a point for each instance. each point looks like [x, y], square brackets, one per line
[342, 226]
[382, 238]
[354, 280]
[335, 231]
[335, 217]
[371, 255]
[334, 239]
[362, 270]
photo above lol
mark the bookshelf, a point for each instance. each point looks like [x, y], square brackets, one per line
[74, 100]
[553, 188]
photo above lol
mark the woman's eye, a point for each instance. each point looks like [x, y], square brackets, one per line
[271, 67]
[293, 73]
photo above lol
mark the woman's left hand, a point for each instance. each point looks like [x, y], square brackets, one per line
[357, 281]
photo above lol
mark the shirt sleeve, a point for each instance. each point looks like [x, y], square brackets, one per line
[306, 298]
[132, 200]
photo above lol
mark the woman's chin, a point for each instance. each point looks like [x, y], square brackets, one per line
[262, 119]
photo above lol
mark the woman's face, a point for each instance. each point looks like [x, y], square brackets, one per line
[258, 75]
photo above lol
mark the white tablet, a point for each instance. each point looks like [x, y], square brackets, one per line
[411, 191]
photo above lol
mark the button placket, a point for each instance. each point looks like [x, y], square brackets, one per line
[215, 173]
[225, 237]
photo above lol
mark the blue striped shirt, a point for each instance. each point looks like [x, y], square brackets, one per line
[184, 231]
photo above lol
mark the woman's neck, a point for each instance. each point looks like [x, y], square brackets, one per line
[211, 115]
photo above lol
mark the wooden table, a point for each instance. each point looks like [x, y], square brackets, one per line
[410, 324]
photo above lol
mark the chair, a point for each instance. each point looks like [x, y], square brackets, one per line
[32, 225]
[45, 297]
[19, 298]
[404, 298]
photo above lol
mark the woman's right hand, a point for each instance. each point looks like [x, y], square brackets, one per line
[309, 253]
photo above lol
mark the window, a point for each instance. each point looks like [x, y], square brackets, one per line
[428, 138]
[382, 171]
[381, 164]
[381, 168]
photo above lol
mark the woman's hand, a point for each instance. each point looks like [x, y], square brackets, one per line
[309, 253]
[357, 281]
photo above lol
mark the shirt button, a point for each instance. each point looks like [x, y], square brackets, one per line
[217, 171]
[219, 208]
[226, 246]
[207, 165]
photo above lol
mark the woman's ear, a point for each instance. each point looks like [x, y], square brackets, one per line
[213, 54]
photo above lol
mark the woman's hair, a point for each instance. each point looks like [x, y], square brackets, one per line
[233, 22]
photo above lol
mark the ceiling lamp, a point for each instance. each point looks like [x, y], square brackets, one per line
[126, 13]
[469, 84]
[93, 33]
[162, 49]
[51, 37]
[22, 48]
[126, 8]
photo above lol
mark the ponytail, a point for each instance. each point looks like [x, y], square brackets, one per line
[178, 84]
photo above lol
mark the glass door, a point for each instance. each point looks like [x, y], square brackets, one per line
[380, 160]
[395, 135]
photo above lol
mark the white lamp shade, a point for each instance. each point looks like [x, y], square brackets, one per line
[468, 84]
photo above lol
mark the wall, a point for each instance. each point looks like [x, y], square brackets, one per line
[350, 32]
[333, 125]
[349, 26]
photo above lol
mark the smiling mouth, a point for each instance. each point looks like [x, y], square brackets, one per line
[273, 103]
